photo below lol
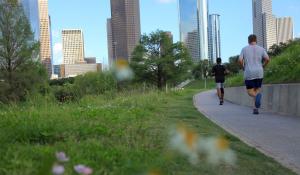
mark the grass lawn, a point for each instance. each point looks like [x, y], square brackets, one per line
[127, 134]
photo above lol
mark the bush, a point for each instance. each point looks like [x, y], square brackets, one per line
[88, 84]
[237, 80]
[62, 81]
[30, 78]
[285, 68]
[66, 93]
[95, 83]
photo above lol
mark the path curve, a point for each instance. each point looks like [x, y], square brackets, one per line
[274, 135]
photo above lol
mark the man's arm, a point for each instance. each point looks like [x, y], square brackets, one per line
[241, 62]
[213, 73]
[266, 61]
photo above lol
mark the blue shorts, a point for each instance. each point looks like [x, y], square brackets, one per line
[253, 84]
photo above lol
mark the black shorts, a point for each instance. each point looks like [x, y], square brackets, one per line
[251, 84]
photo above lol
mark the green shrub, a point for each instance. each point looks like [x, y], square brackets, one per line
[95, 83]
[66, 93]
[62, 81]
[88, 84]
[28, 79]
[285, 68]
[237, 80]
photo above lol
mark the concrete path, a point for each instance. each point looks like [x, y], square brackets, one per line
[275, 135]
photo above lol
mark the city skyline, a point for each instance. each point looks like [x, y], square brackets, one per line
[166, 19]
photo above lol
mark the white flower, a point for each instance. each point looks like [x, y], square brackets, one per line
[184, 141]
[217, 151]
[58, 169]
[82, 169]
[61, 157]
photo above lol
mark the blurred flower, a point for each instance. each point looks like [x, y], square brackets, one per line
[58, 169]
[123, 71]
[82, 169]
[185, 141]
[61, 157]
[218, 151]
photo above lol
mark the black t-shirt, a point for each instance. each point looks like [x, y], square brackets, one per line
[219, 72]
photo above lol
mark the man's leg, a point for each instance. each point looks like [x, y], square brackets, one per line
[219, 91]
[257, 99]
[253, 90]
[222, 93]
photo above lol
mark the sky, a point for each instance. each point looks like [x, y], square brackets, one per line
[91, 16]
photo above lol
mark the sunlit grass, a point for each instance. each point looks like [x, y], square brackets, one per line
[126, 133]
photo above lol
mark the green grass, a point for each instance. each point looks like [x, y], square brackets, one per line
[199, 84]
[123, 135]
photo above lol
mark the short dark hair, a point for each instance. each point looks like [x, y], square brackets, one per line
[252, 38]
[219, 60]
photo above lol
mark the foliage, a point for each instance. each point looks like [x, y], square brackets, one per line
[20, 74]
[200, 69]
[158, 61]
[62, 81]
[93, 83]
[277, 49]
[285, 68]
[236, 80]
[66, 93]
[233, 66]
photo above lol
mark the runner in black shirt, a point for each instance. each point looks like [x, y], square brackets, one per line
[219, 71]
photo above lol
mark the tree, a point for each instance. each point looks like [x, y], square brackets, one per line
[277, 49]
[233, 66]
[158, 61]
[201, 68]
[19, 72]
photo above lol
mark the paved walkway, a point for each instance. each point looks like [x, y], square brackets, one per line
[275, 135]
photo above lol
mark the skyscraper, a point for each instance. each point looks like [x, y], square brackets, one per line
[45, 36]
[125, 27]
[73, 46]
[214, 37]
[109, 43]
[264, 23]
[193, 24]
[31, 9]
[285, 29]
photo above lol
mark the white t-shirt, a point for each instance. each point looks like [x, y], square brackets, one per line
[253, 56]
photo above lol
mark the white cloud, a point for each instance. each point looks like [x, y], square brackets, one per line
[57, 49]
[165, 1]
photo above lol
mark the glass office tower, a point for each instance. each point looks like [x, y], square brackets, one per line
[31, 10]
[193, 24]
[214, 37]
